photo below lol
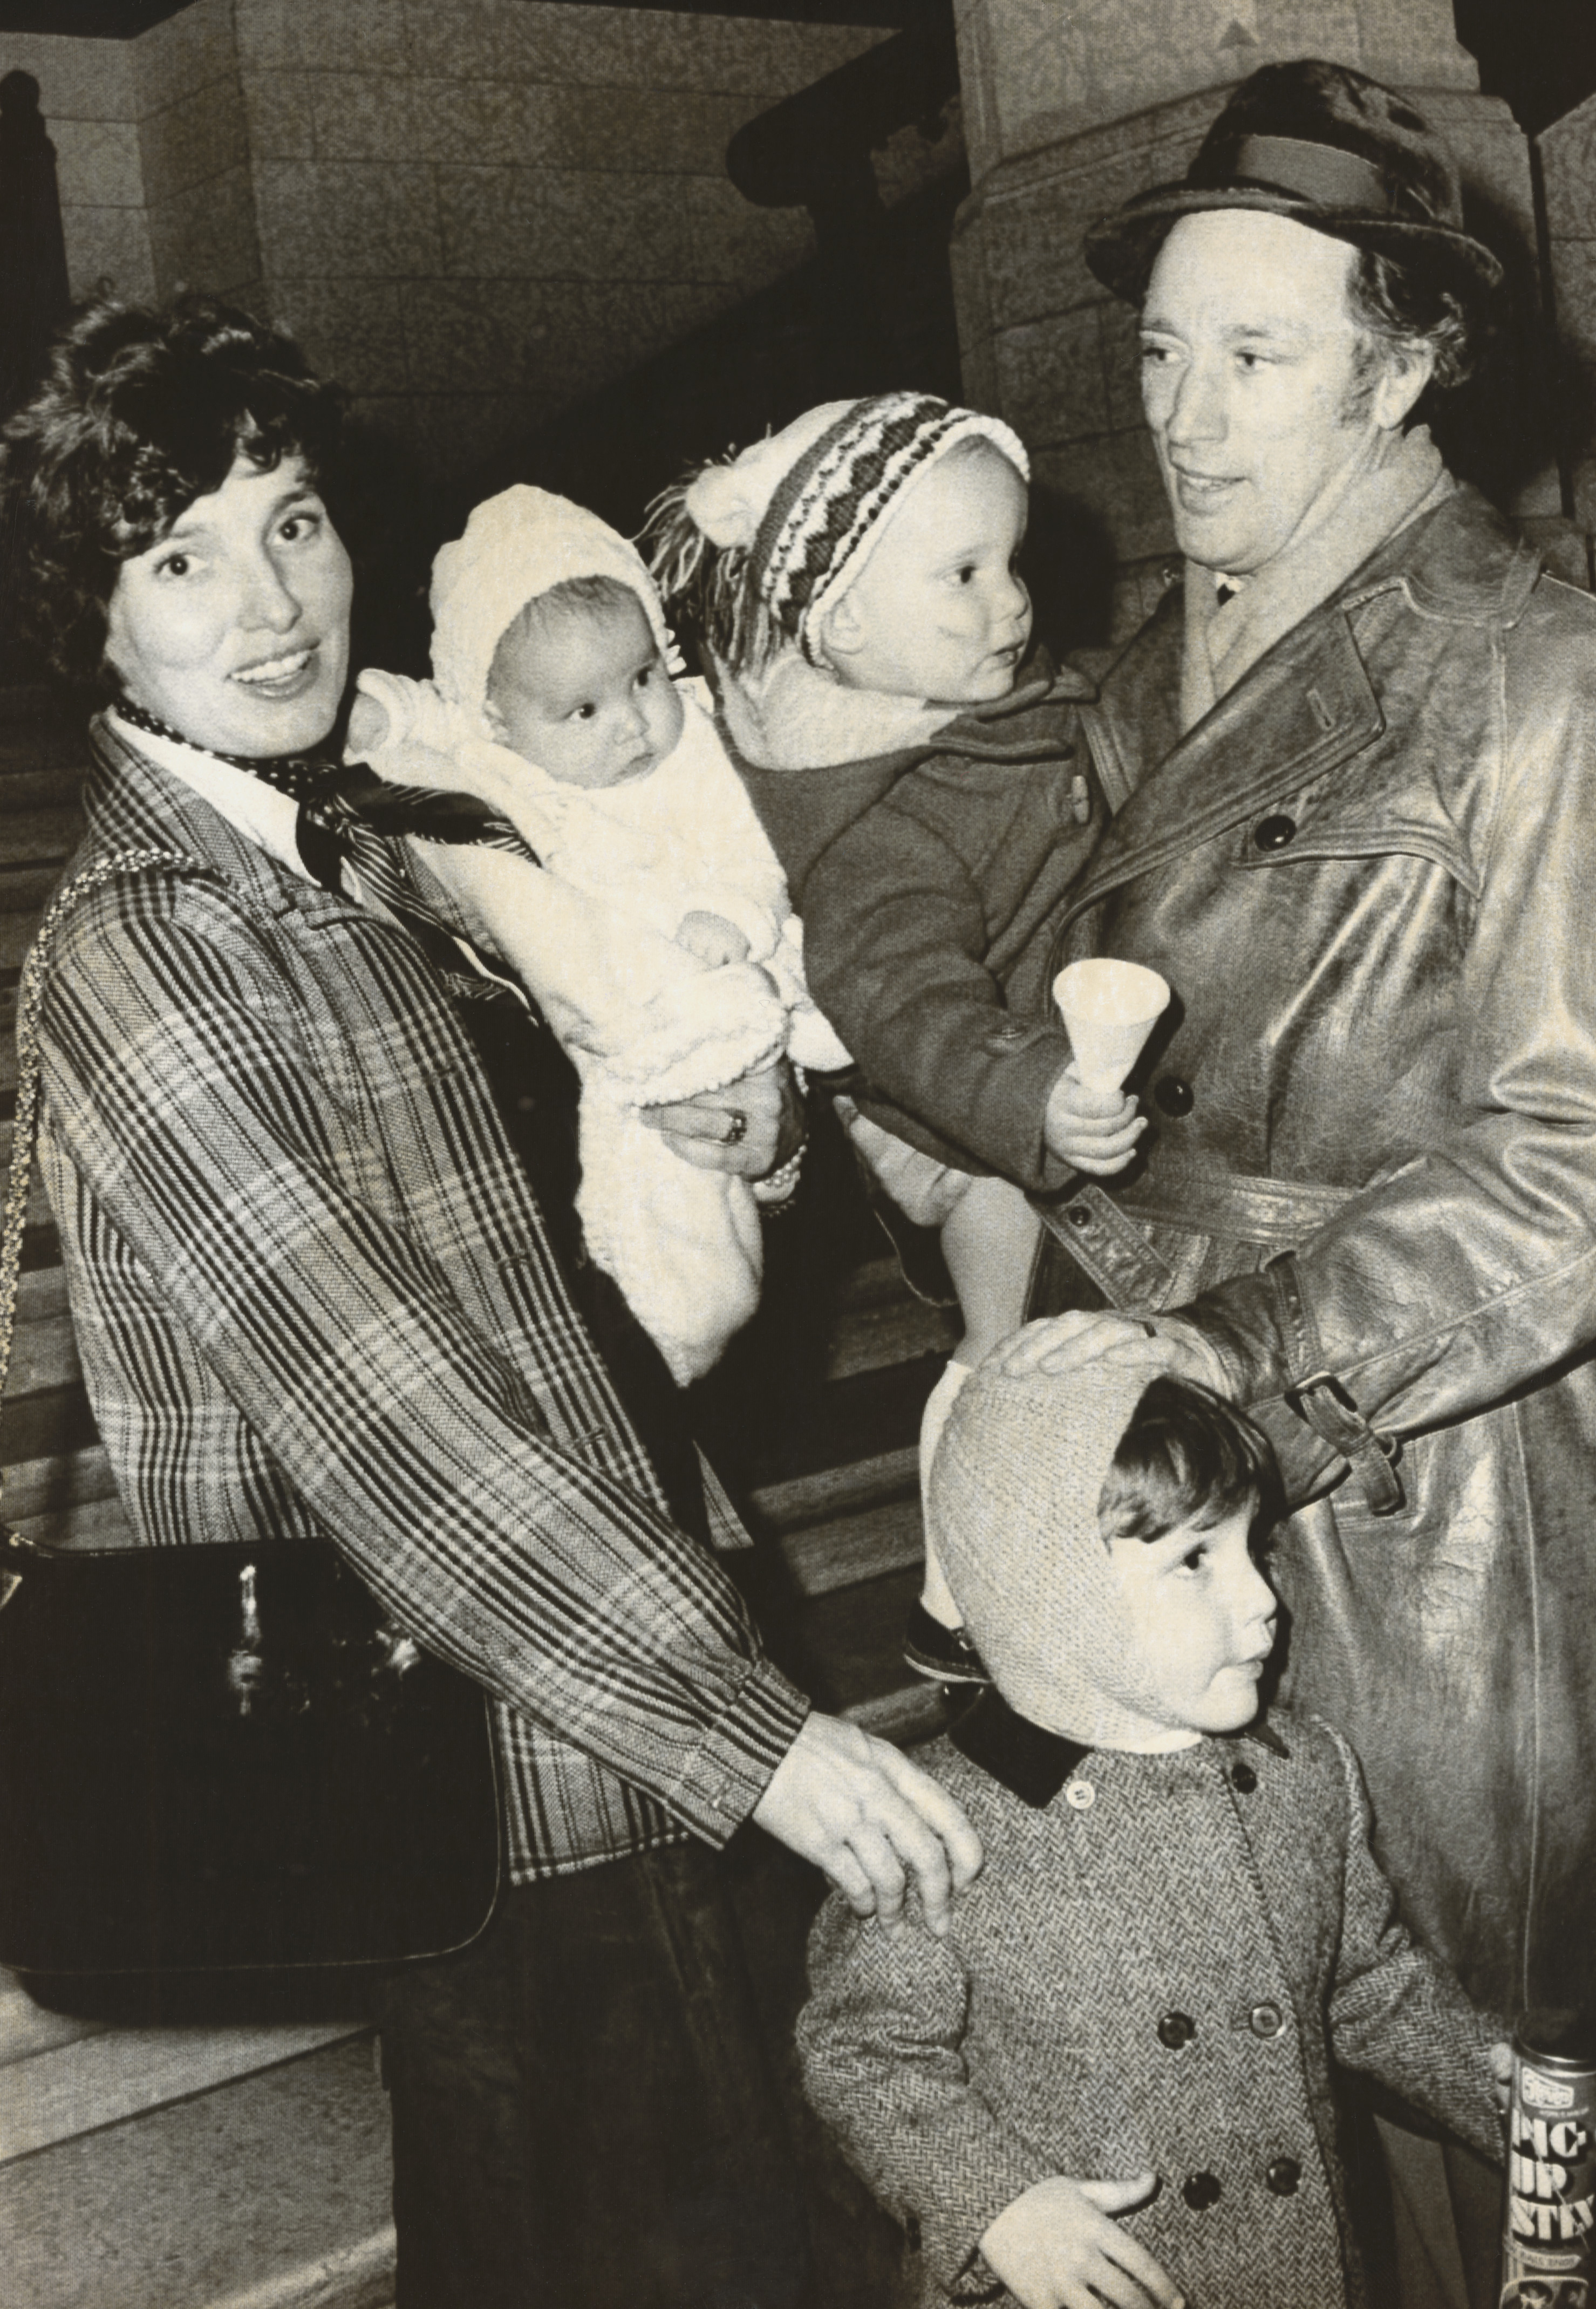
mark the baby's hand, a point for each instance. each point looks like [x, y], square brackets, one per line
[1094, 1130]
[368, 727]
[713, 938]
[1057, 2247]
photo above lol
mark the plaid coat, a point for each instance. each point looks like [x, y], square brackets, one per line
[1155, 1971]
[314, 1295]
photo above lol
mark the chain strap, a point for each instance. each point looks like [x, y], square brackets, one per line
[30, 998]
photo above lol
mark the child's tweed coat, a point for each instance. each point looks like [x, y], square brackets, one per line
[1154, 1972]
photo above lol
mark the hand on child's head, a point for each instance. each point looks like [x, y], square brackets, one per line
[938, 612]
[1094, 1130]
[579, 687]
[1059, 2246]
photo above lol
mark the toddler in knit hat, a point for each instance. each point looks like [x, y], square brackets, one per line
[923, 778]
[1111, 2081]
[651, 922]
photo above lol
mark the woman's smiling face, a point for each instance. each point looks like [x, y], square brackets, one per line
[234, 628]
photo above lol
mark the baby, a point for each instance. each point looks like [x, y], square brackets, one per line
[928, 789]
[654, 931]
[1111, 2080]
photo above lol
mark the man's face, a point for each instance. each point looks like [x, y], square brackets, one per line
[1249, 377]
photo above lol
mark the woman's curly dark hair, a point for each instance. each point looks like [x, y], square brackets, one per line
[143, 411]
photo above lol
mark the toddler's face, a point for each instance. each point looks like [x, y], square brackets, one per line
[938, 612]
[1198, 1624]
[585, 694]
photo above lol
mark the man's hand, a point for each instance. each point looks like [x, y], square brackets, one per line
[1501, 2060]
[1057, 2247]
[750, 1129]
[871, 1819]
[1059, 1343]
[1092, 1130]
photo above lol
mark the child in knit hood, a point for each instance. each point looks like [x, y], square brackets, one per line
[1111, 2080]
[654, 929]
[924, 780]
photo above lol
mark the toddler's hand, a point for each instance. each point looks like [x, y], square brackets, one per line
[1058, 2247]
[713, 938]
[1094, 1130]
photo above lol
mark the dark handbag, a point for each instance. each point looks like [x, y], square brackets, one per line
[220, 1759]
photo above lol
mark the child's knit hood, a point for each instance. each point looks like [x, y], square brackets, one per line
[1014, 1514]
[517, 545]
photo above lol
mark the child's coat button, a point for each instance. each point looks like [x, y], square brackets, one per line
[1202, 2190]
[1266, 2020]
[1080, 1795]
[1176, 2030]
[1283, 2177]
[1244, 1778]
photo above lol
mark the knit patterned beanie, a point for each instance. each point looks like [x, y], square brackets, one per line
[1013, 1516]
[772, 537]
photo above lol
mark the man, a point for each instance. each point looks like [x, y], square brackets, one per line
[1357, 836]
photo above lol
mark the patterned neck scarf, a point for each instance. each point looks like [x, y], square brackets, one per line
[350, 816]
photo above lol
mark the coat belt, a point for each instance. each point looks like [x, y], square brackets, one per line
[1234, 1207]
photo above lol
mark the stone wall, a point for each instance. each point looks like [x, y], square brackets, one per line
[471, 211]
[89, 102]
[1568, 178]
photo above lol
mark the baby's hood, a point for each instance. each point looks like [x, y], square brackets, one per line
[516, 546]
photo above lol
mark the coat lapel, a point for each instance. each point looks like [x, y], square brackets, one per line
[1302, 711]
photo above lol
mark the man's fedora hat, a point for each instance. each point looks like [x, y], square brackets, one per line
[1329, 148]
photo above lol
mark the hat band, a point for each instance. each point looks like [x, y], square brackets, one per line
[1321, 173]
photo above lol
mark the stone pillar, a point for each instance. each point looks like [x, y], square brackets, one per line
[1568, 174]
[1070, 108]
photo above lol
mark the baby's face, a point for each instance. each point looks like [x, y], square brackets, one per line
[585, 694]
[938, 612]
[1198, 1622]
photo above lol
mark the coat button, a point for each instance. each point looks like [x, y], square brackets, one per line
[1274, 833]
[1283, 2177]
[1202, 2190]
[1080, 1795]
[1243, 1779]
[1077, 1215]
[1266, 2020]
[1176, 2030]
[1173, 1095]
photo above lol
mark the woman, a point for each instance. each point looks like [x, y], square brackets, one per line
[314, 1293]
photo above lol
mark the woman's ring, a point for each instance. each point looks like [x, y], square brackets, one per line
[736, 1129]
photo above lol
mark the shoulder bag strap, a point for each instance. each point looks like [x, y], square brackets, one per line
[29, 997]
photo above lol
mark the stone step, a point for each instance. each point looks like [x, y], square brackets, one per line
[271, 2192]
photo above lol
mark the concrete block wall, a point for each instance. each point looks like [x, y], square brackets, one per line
[471, 211]
[90, 103]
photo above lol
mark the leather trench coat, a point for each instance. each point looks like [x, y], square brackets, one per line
[1369, 875]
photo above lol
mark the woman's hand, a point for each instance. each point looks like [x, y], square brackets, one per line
[1061, 1343]
[749, 1128]
[872, 1820]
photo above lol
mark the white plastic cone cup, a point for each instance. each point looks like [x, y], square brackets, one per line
[1109, 1008]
